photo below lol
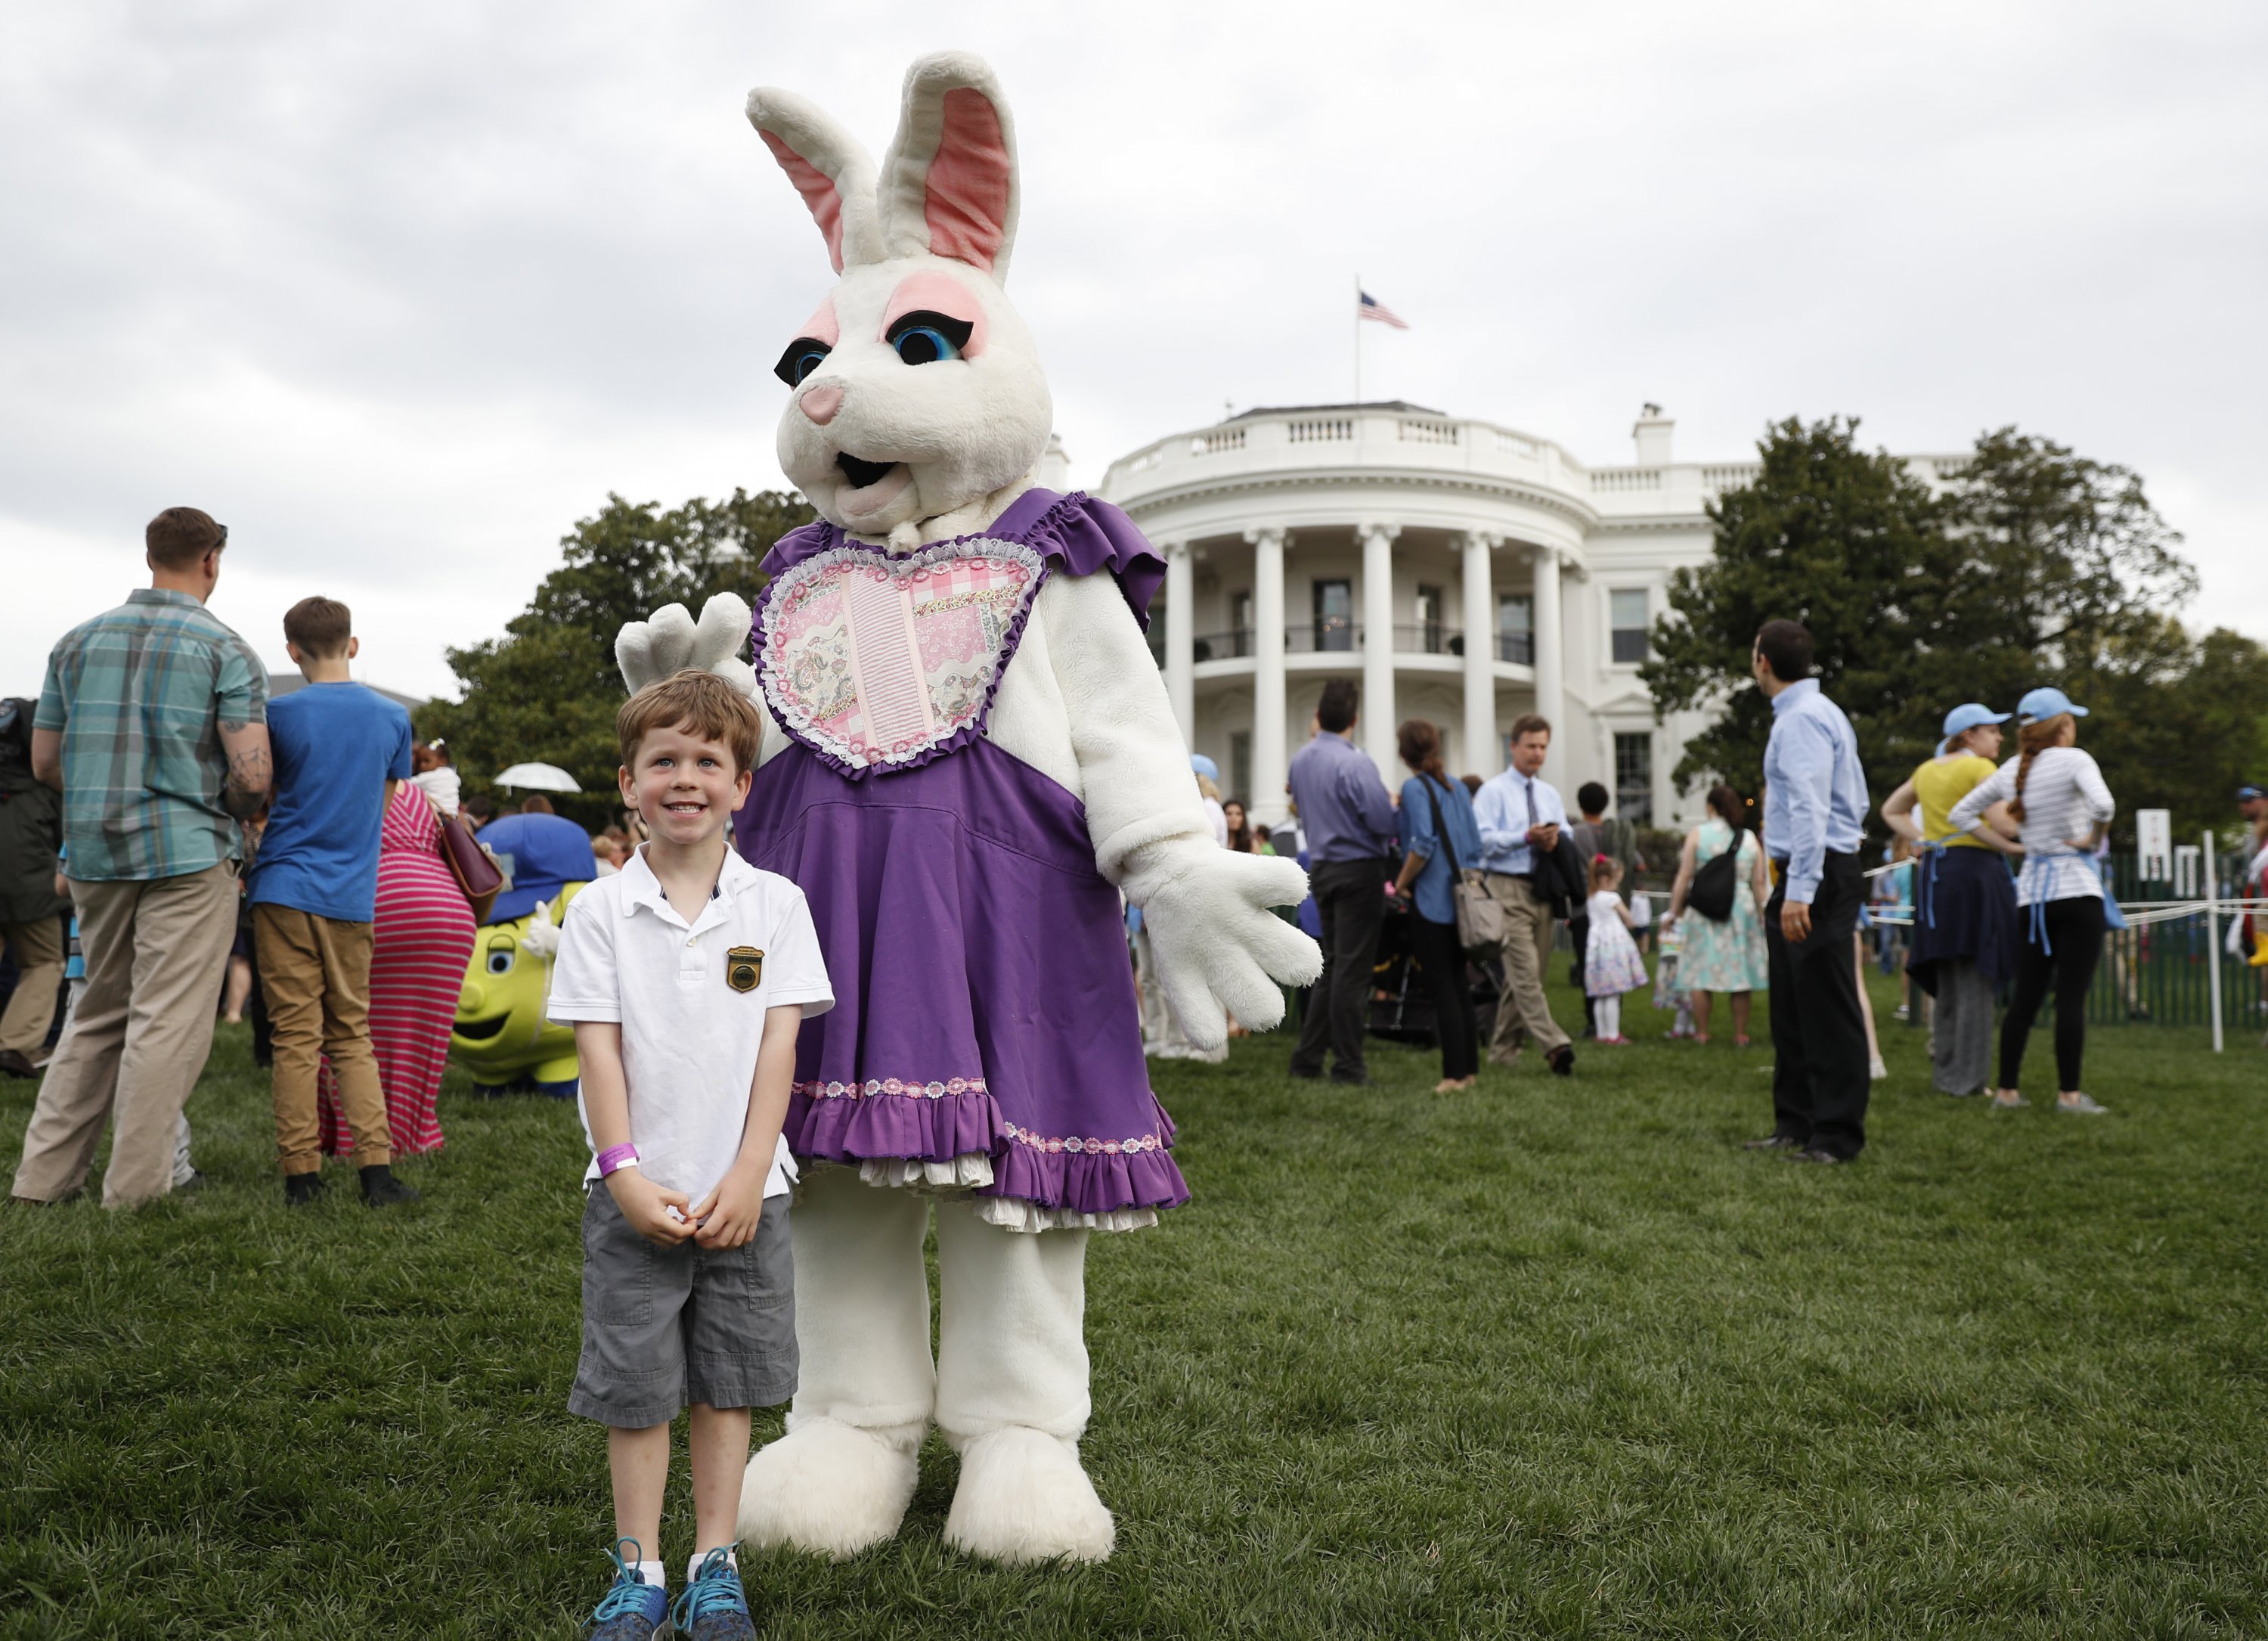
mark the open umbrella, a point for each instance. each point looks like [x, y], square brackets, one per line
[539, 778]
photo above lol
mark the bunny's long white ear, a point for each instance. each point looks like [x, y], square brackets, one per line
[828, 169]
[948, 183]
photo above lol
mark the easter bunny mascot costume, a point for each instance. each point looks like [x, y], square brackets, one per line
[967, 755]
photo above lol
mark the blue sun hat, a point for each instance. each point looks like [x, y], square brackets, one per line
[1205, 767]
[2039, 706]
[1969, 715]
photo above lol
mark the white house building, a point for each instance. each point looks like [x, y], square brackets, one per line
[1465, 572]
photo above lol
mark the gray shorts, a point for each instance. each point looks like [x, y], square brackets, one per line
[665, 1327]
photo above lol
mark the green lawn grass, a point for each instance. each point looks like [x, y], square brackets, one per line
[1550, 1357]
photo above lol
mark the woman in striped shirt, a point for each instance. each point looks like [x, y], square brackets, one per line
[2055, 792]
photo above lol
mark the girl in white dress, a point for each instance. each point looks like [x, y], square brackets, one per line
[1611, 964]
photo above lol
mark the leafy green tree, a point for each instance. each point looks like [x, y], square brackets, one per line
[1846, 541]
[546, 691]
[2032, 565]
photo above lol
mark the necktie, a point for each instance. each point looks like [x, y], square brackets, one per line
[1529, 787]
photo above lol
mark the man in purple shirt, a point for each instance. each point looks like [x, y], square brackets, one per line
[1348, 822]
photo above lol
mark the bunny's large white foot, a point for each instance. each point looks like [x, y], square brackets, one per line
[1024, 1497]
[828, 1488]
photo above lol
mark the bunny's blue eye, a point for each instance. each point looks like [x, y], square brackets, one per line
[924, 338]
[804, 355]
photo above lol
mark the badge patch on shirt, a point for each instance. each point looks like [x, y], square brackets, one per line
[744, 968]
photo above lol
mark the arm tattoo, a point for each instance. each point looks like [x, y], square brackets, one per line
[246, 787]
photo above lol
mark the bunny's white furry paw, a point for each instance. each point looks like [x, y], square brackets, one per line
[1023, 1498]
[1220, 950]
[670, 640]
[828, 1488]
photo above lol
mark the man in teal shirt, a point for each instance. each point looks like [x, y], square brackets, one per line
[153, 724]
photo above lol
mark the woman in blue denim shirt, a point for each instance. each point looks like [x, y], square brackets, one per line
[1431, 803]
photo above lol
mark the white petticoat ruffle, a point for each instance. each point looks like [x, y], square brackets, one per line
[965, 1174]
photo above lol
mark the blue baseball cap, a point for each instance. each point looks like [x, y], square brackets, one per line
[1205, 767]
[2039, 706]
[1969, 715]
[2246, 793]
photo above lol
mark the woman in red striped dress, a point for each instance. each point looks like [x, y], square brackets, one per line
[422, 941]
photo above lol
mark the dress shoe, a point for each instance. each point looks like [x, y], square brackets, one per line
[1561, 1061]
[301, 1189]
[381, 1189]
[14, 1061]
[1773, 1142]
[1816, 1154]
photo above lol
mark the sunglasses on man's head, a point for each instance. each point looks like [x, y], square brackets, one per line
[223, 542]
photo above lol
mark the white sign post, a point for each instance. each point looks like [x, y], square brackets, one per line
[2213, 937]
[2153, 834]
[2185, 871]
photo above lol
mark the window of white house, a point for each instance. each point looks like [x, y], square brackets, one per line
[1334, 614]
[1515, 628]
[1626, 618]
[1634, 778]
[1239, 764]
[1428, 632]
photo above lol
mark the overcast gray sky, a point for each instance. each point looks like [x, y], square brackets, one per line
[399, 291]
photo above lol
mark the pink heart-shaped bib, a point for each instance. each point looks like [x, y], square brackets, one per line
[877, 662]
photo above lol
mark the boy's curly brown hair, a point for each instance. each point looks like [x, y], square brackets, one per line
[699, 702]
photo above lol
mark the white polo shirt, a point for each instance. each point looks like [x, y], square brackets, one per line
[691, 1002]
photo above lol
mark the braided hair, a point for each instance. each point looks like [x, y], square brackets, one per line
[2034, 738]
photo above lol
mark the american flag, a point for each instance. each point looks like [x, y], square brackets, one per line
[1368, 307]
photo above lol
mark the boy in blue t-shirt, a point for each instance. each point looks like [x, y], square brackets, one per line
[339, 750]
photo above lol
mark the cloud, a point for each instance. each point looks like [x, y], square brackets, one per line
[399, 292]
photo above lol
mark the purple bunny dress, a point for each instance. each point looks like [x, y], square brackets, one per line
[984, 1002]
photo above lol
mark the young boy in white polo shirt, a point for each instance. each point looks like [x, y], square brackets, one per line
[685, 976]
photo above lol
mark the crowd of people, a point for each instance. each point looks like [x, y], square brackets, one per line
[1995, 865]
[175, 845]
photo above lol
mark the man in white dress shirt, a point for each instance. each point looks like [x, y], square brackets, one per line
[1519, 817]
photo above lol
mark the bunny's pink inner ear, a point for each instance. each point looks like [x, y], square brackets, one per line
[967, 207]
[820, 196]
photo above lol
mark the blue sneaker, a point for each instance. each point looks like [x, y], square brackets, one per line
[633, 1609]
[713, 1608]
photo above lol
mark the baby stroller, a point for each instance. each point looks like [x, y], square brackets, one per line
[1402, 1002]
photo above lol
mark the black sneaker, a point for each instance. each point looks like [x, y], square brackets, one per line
[381, 1189]
[301, 1189]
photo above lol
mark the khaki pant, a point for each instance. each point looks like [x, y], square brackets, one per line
[1526, 952]
[315, 973]
[155, 953]
[39, 970]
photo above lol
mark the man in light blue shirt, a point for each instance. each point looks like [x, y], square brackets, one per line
[1814, 807]
[1521, 815]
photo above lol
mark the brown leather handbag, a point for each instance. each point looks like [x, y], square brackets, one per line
[474, 867]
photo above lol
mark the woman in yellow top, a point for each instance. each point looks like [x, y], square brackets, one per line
[1964, 932]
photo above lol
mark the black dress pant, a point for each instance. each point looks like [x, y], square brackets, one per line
[2074, 930]
[1441, 960]
[1820, 1081]
[1351, 898]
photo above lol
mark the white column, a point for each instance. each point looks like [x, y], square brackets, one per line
[1181, 639]
[1550, 681]
[1480, 756]
[1270, 760]
[1378, 718]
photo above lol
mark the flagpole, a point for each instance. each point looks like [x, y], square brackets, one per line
[1357, 338]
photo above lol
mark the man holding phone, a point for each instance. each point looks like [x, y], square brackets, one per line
[1521, 815]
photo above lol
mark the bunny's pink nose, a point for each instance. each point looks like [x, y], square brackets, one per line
[821, 402]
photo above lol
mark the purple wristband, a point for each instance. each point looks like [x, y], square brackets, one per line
[615, 1156]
